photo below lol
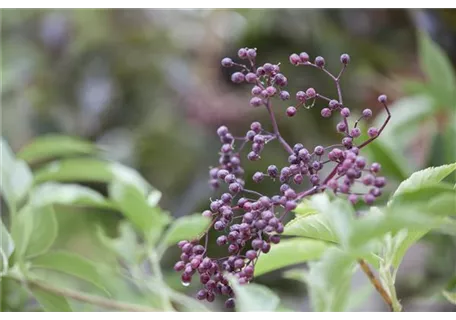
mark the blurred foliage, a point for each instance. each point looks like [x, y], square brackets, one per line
[146, 86]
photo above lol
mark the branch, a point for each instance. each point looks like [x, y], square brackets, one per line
[276, 128]
[88, 298]
[377, 285]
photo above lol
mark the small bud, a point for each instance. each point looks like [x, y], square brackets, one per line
[345, 59]
[258, 177]
[280, 80]
[355, 132]
[260, 71]
[271, 91]
[256, 90]
[319, 150]
[341, 127]
[273, 171]
[251, 77]
[320, 62]
[268, 68]
[372, 132]
[301, 96]
[222, 131]
[251, 53]
[345, 112]
[333, 104]
[375, 167]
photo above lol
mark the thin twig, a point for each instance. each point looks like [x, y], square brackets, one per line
[377, 285]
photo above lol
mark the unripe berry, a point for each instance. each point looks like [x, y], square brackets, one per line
[227, 62]
[311, 93]
[290, 205]
[264, 93]
[353, 198]
[230, 303]
[222, 131]
[255, 126]
[304, 57]
[268, 68]
[260, 71]
[297, 147]
[207, 214]
[345, 59]
[347, 142]
[256, 102]
[382, 99]
[242, 53]
[295, 59]
[237, 77]
[235, 187]
[251, 53]
[284, 95]
[179, 266]
[369, 199]
[372, 132]
[360, 162]
[333, 104]
[253, 156]
[367, 113]
[271, 91]
[341, 127]
[320, 62]
[380, 182]
[273, 171]
[314, 179]
[280, 80]
[256, 90]
[326, 112]
[345, 112]
[291, 111]
[375, 167]
[298, 179]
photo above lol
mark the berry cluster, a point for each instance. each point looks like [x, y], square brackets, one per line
[247, 221]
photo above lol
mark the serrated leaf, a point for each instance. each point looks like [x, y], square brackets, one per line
[438, 69]
[289, 252]
[185, 228]
[133, 203]
[124, 245]
[90, 170]
[425, 193]
[6, 247]
[427, 176]
[50, 302]
[71, 264]
[54, 146]
[253, 297]
[450, 296]
[315, 226]
[44, 233]
[328, 281]
[67, 194]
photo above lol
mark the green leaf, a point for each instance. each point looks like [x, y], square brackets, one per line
[424, 194]
[438, 69]
[289, 252]
[67, 194]
[329, 280]
[90, 170]
[54, 146]
[44, 231]
[411, 237]
[6, 248]
[450, 296]
[71, 264]
[133, 203]
[427, 176]
[253, 297]
[185, 228]
[21, 231]
[124, 246]
[16, 176]
[49, 301]
[315, 226]
[305, 208]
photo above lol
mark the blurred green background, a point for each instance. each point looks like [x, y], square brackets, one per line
[147, 86]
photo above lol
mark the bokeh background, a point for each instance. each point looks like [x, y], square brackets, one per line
[147, 85]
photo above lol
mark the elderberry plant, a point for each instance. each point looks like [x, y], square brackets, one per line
[250, 222]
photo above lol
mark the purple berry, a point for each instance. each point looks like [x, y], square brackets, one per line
[341, 127]
[304, 57]
[326, 112]
[256, 127]
[320, 62]
[301, 96]
[291, 111]
[319, 150]
[251, 77]
[251, 53]
[230, 303]
[355, 132]
[237, 77]
[290, 205]
[284, 95]
[345, 112]
[258, 177]
[256, 102]
[382, 99]
[345, 59]
[256, 90]
[372, 132]
[295, 59]
[369, 199]
[271, 91]
[353, 198]
[242, 53]
[311, 93]
[268, 68]
[333, 104]
[367, 113]
[380, 182]
[227, 62]
[260, 71]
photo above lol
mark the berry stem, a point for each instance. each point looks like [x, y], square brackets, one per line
[365, 143]
[276, 128]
